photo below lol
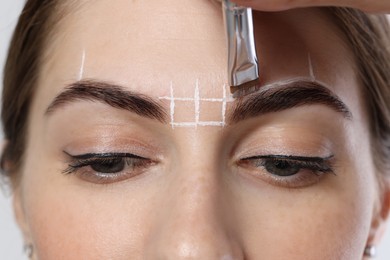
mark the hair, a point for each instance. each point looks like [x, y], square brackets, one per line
[366, 35]
[369, 38]
[21, 73]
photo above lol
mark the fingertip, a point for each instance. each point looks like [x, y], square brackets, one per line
[268, 5]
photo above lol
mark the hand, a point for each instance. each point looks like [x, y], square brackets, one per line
[372, 6]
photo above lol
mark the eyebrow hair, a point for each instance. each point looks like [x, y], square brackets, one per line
[292, 94]
[112, 95]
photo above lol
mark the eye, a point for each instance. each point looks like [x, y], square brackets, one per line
[288, 171]
[107, 168]
[110, 165]
[281, 167]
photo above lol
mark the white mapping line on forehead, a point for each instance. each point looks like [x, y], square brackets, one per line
[311, 69]
[81, 71]
[197, 102]
[224, 105]
[289, 81]
[197, 99]
[312, 77]
[224, 100]
[172, 104]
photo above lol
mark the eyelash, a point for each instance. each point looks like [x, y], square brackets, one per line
[306, 171]
[86, 166]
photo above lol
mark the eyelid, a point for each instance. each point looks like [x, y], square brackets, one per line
[291, 157]
[312, 169]
[320, 164]
[83, 167]
[102, 155]
[83, 160]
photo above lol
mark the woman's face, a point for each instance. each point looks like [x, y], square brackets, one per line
[167, 165]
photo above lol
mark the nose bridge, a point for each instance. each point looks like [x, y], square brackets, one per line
[193, 223]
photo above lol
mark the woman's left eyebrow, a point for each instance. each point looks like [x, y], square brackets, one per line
[111, 94]
[294, 94]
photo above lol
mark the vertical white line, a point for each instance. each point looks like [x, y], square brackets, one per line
[224, 105]
[81, 71]
[311, 69]
[172, 106]
[197, 103]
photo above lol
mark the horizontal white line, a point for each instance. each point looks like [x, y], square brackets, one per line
[201, 123]
[201, 99]
[179, 99]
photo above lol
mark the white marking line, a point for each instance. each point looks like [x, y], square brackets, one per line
[200, 123]
[81, 71]
[197, 103]
[172, 106]
[224, 105]
[311, 69]
[197, 99]
[200, 99]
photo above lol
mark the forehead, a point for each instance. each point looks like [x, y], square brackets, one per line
[142, 42]
[148, 45]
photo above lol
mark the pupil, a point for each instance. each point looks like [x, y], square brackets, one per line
[109, 165]
[281, 168]
[282, 165]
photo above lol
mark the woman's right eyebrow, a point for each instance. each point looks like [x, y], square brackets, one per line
[112, 95]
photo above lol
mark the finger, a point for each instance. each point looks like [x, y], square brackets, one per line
[378, 6]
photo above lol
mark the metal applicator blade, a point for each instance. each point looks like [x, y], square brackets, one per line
[243, 69]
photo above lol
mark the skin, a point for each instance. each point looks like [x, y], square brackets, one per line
[375, 6]
[195, 202]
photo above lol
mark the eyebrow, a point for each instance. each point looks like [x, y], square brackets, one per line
[112, 95]
[286, 96]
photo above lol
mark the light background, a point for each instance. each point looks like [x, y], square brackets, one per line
[11, 243]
